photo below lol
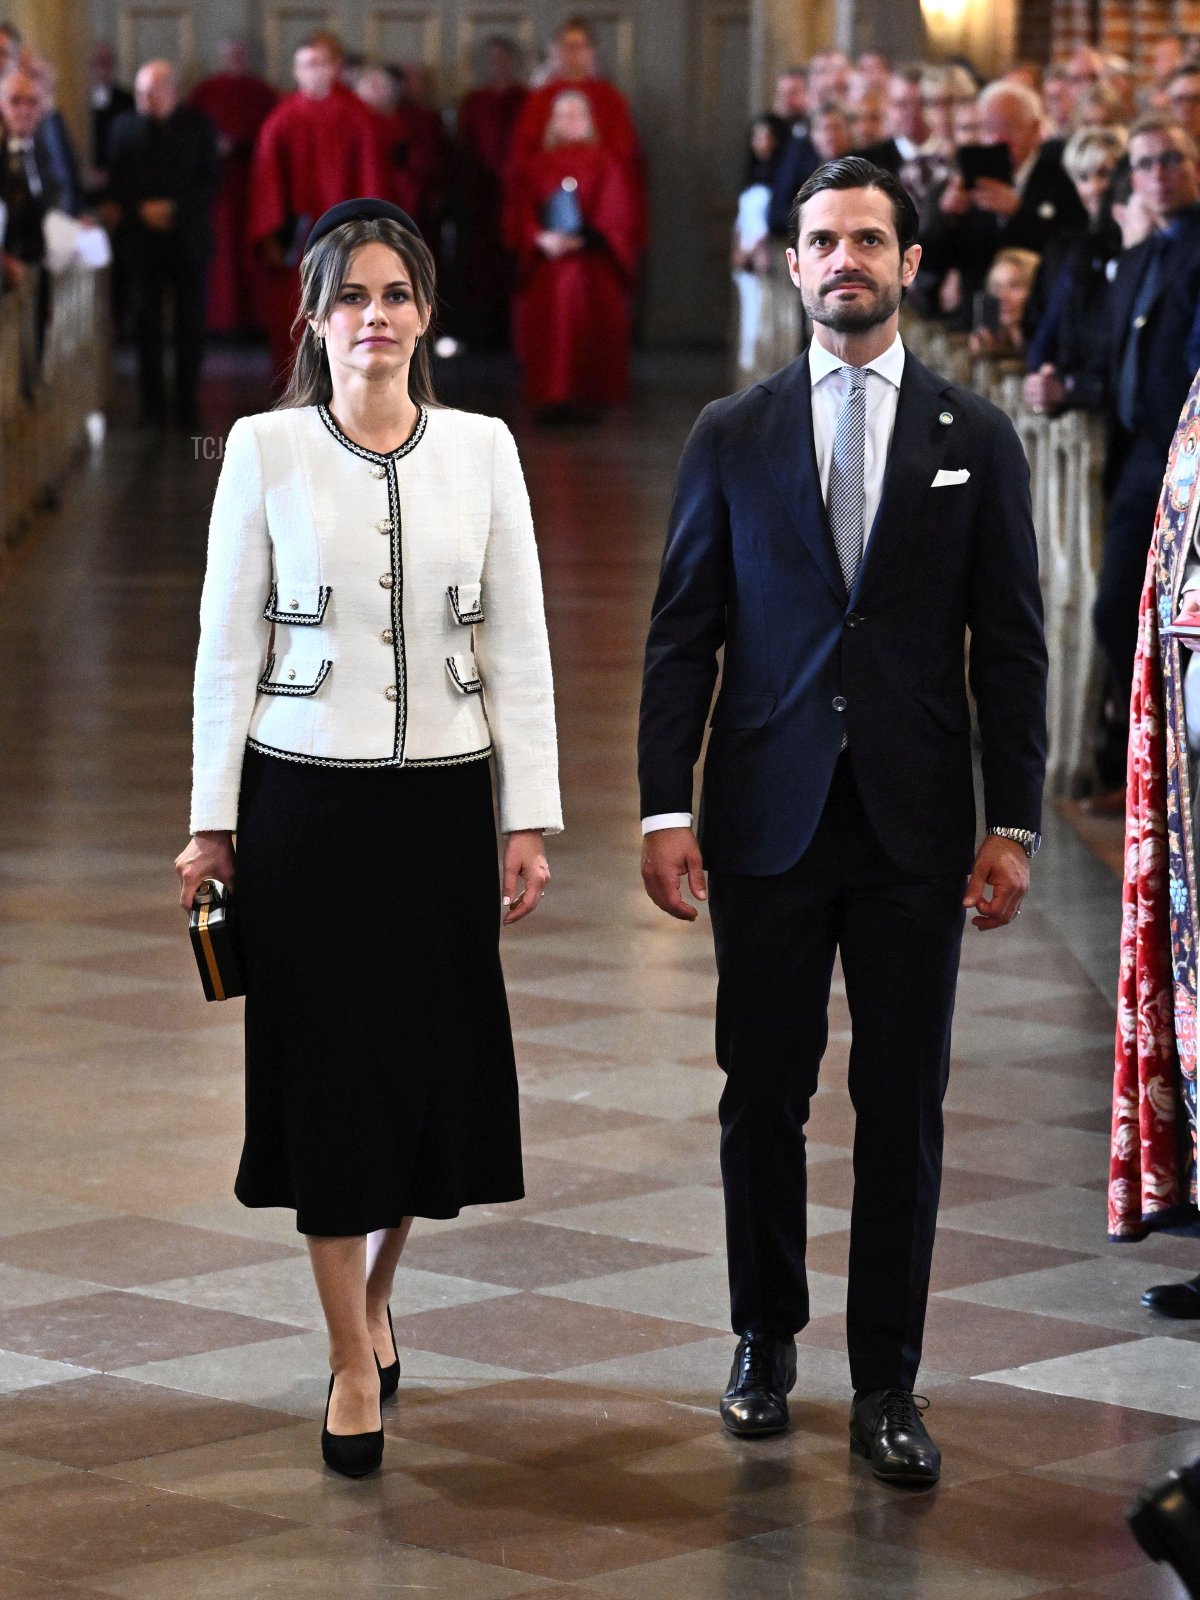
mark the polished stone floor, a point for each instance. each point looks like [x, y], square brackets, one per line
[161, 1366]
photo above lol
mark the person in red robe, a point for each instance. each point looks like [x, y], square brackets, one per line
[379, 90]
[337, 52]
[576, 222]
[317, 147]
[574, 58]
[487, 119]
[426, 152]
[238, 102]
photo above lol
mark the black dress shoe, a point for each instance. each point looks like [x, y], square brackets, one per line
[1165, 1521]
[886, 1429]
[354, 1455]
[389, 1376]
[764, 1372]
[1174, 1299]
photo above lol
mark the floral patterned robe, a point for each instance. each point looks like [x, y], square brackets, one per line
[1152, 1176]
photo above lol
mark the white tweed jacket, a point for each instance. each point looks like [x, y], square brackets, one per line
[362, 610]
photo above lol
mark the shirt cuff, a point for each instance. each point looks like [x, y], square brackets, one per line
[666, 819]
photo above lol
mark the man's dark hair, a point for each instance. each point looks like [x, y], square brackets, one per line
[855, 172]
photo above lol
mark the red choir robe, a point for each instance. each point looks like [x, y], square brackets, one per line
[413, 147]
[572, 321]
[615, 130]
[610, 114]
[425, 155]
[310, 155]
[238, 103]
[487, 119]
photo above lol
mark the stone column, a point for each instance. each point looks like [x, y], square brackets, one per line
[894, 26]
[60, 29]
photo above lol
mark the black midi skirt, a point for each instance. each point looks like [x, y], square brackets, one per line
[380, 1080]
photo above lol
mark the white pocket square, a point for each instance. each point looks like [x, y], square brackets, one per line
[945, 478]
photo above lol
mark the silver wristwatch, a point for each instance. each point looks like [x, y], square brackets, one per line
[1029, 841]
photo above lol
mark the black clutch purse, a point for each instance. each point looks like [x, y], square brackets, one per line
[214, 941]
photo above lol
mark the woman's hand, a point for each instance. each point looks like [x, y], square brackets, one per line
[525, 860]
[209, 855]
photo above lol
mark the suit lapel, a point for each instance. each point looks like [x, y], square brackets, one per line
[786, 440]
[919, 442]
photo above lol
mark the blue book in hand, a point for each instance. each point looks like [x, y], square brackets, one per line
[561, 212]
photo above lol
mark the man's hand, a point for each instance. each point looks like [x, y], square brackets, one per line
[989, 194]
[1002, 866]
[158, 215]
[1189, 612]
[1135, 220]
[954, 201]
[1044, 390]
[668, 855]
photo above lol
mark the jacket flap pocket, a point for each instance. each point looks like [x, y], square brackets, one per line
[466, 602]
[464, 674]
[303, 604]
[292, 680]
[742, 710]
[951, 715]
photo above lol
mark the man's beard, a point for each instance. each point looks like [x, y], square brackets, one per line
[856, 316]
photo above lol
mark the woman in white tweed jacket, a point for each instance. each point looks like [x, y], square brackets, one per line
[372, 633]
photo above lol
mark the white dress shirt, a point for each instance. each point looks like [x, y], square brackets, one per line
[828, 387]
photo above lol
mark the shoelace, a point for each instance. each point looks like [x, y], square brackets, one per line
[757, 1368]
[902, 1410]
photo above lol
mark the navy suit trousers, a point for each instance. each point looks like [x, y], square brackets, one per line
[899, 938]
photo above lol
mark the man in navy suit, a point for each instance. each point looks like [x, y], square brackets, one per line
[1144, 355]
[839, 529]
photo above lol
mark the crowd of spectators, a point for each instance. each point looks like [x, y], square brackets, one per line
[208, 197]
[1060, 228]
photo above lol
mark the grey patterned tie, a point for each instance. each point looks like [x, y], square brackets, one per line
[847, 473]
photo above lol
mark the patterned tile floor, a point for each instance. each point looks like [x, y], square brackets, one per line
[161, 1364]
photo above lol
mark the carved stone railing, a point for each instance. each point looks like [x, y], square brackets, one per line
[47, 396]
[1066, 459]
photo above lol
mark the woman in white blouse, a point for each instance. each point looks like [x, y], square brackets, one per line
[372, 643]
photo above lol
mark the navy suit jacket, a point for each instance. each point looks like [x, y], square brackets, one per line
[750, 566]
[798, 160]
[1169, 352]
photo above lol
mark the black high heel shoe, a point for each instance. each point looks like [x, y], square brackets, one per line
[389, 1376]
[354, 1455]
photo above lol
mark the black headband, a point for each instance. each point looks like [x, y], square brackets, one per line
[363, 210]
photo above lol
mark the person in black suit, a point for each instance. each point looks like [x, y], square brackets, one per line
[838, 813]
[29, 184]
[906, 150]
[32, 183]
[827, 83]
[1145, 352]
[164, 176]
[109, 101]
[963, 229]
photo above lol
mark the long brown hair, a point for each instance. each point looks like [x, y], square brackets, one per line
[322, 273]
